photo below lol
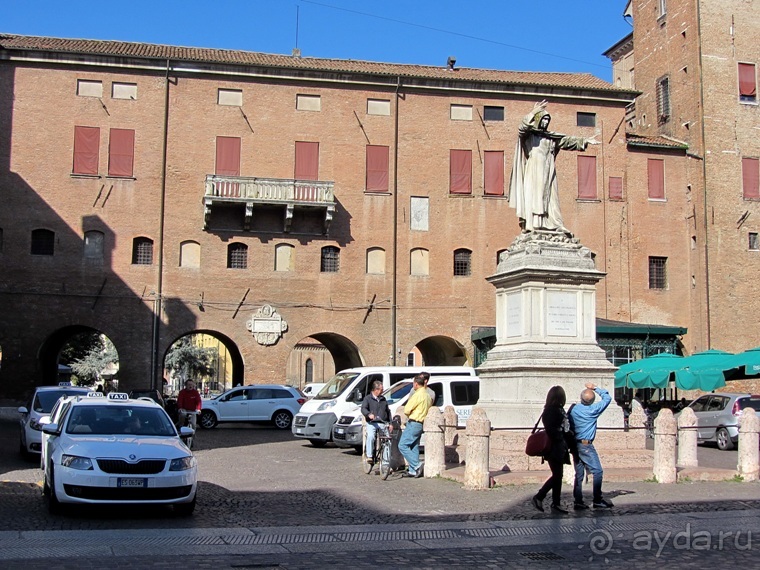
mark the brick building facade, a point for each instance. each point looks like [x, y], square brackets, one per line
[272, 201]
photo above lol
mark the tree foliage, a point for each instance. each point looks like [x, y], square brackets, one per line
[100, 356]
[189, 361]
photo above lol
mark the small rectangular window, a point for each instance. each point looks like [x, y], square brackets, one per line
[751, 178]
[663, 100]
[123, 90]
[616, 188]
[231, 97]
[587, 177]
[461, 112]
[656, 178]
[378, 107]
[747, 83]
[754, 243]
[308, 102]
[586, 119]
[89, 88]
[658, 277]
[491, 113]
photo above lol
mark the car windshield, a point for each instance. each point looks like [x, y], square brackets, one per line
[119, 420]
[44, 401]
[397, 392]
[336, 386]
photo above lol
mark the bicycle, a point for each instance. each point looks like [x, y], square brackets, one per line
[382, 453]
[184, 421]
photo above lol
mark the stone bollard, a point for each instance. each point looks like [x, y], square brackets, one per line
[638, 418]
[435, 452]
[749, 453]
[687, 438]
[665, 447]
[476, 471]
[450, 421]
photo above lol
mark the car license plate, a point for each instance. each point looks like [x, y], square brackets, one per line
[339, 430]
[131, 482]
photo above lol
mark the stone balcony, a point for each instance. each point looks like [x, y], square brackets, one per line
[253, 191]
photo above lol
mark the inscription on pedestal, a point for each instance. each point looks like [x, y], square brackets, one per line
[514, 314]
[561, 314]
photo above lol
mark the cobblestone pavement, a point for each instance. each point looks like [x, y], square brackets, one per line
[258, 478]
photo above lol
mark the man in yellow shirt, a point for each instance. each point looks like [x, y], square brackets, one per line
[415, 409]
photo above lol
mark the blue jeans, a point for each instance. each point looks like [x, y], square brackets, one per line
[587, 459]
[409, 445]
[372, 429]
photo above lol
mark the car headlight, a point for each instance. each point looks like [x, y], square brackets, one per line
[35, 425]
[75, 462]
[357, 421]
[327, 405]
[182, 464]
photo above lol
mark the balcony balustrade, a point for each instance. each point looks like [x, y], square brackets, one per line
[253, 191]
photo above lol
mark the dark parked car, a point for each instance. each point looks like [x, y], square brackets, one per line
[154, 395]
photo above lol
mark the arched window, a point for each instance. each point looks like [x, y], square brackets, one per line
[142, 251]
[43, 242]
[93, 244]
[309, 371]
[284, 257]
[190, 254]
[462, 262]
[376, 260]
[330, 262]
[237, 256]
[419, 263]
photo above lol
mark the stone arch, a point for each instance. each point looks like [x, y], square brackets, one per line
[442, 351]
[234, 357]
[49, 352]
[330, 353]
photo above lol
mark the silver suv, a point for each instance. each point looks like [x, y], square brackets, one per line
[718, 416]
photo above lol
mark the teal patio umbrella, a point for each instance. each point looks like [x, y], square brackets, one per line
[749, 360]
[704, 370]
[651, 372]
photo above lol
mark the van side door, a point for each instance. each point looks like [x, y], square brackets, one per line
[464, 395]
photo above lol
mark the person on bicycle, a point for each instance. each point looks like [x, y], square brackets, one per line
[188, 404]
[375, 410]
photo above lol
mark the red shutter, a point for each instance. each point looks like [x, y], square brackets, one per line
[747, 82]
[656, 172]
[377, 168]
[307, 161]
[751, 177]
[616, 188]
[587, 177]
[86, 150]
[461, 172]
[121, 152]
[493, 173]
[228, 156]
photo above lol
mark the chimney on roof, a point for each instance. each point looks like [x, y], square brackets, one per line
[296, 52]
[451, 62]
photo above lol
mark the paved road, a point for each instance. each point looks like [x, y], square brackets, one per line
[269, 500]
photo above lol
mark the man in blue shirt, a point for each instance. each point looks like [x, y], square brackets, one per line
[583, 418]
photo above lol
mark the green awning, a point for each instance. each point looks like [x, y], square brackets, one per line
[607, 326]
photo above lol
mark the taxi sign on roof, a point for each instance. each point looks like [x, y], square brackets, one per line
[94, 395]
[64, 383]
[118, 396]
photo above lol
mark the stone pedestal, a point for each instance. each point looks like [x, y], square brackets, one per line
[545, 331]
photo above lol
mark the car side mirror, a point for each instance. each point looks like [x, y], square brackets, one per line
[51, 429]
[358, 397]
[185, 431]
[23, 410]
[44, 420]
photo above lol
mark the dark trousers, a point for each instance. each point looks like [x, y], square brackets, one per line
[554, 482]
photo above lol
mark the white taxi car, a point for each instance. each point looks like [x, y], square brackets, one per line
[41, 403]
[113, 450]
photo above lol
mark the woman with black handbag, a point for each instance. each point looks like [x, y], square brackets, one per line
[556, 424]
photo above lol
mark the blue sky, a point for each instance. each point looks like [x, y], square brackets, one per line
[492, 34]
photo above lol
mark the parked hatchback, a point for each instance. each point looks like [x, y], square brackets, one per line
[718, 416]
[257, 403]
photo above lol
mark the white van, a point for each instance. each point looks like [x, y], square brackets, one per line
[456, 391]
[345, 391]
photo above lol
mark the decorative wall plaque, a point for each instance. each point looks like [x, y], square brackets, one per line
[267, 325]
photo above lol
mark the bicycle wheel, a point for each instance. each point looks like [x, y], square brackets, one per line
[385, 459]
